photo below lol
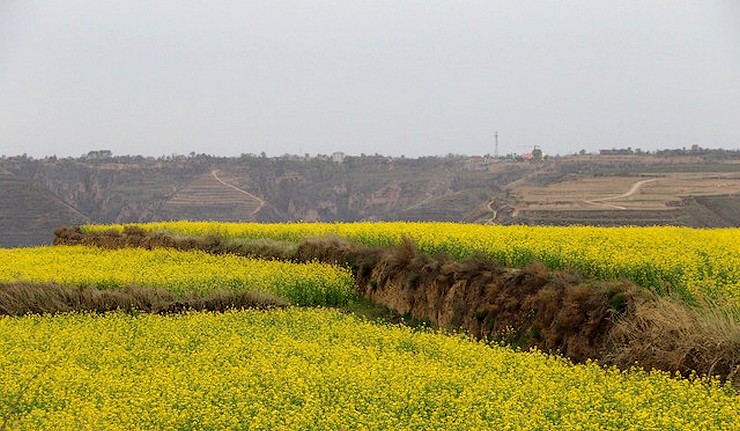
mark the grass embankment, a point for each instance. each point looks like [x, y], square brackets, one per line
[22, 298]
[579, 317]
[318, 369]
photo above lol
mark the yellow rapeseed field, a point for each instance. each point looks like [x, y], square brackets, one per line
[178, 271]
[683, 261]
[317, 369]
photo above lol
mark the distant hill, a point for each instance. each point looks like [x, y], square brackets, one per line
[30, 213]
[692, 190]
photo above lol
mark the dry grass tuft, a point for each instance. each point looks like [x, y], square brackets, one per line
[665, 334]
[133, 236]
[17, 299]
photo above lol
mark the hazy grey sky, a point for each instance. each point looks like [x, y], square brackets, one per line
[394, 77]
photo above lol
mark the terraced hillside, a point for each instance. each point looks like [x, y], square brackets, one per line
[698, 191]
[708, 199]
[449, 207]
[705, 211]
[208, 197]
[30, 213]
[726, 206]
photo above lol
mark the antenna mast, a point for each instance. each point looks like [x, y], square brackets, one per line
[495, 148]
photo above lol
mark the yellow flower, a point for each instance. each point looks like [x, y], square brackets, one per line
[318, 369]
[179, 271]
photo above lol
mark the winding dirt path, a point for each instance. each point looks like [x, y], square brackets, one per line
[634, 189]
[491, 220]
[214, 173]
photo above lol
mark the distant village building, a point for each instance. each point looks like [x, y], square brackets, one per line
[337, 157]
[536, 154]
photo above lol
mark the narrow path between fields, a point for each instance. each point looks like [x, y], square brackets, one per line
[214, 173]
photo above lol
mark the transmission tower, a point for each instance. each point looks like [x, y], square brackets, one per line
[495, 148]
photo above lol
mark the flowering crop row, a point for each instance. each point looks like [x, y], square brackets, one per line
[683, 261]
[317, 369]
[179, 271]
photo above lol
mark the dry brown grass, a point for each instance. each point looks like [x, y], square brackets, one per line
[17, 299]
[666, 334]
[133, 236]
[532, 307]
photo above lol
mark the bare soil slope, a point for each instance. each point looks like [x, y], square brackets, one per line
[31, 213]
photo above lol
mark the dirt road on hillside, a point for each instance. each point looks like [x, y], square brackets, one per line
[634, 189]
[214, 173]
